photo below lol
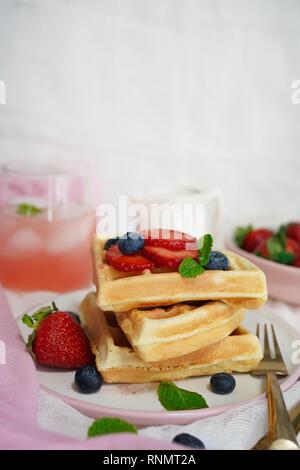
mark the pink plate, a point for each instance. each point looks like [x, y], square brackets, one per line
[139, 404]
[283, 281]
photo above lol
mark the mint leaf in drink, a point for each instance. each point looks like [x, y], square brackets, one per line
[205, 246]
[109, 426]
[240, 234]
[28, 210]
[174, 398]
[190, 268]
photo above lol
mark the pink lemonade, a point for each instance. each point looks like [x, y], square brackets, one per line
[41, 254]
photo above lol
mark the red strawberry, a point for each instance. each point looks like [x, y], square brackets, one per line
[58, 340]
[297, 262]
[293, 231]
[170, 239]
[127, 263]
[255, 238]
[168, 258]
[291, 246]
[262, 249]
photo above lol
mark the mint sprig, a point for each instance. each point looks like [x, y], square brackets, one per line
[205, 246]
[189, 267]
[28, 210]
[240, 234]
[110, 426]
[174, 398]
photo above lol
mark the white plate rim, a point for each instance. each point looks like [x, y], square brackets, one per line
[144, 418]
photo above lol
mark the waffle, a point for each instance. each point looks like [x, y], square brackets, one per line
[243, 285]
[167, 332]
[118, 362]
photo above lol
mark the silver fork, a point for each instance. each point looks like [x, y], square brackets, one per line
[281, 435]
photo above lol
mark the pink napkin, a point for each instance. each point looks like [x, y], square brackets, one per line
[19, 398]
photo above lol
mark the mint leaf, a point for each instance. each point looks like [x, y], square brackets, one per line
[275, 247]
[190, 268]
[282, 234]
[286, 258]
[28, 210]
[205, 246]
[110, 426]
[174, 398]
[240, 234]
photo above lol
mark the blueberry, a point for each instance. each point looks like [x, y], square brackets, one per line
[188, 440]
[74, 315]
[110, 242]
[131, 243]
[222, 383]
[217, 260]
[88, 379]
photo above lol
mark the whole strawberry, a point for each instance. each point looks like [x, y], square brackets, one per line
[57, 339]
[293, 231]
[250, 239]
[283, 250]
[255, 238]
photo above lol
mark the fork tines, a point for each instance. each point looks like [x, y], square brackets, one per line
[272, 360]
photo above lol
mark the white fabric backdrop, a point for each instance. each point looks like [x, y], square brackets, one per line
[193, 90]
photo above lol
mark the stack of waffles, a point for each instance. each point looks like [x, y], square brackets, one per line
[156, 325]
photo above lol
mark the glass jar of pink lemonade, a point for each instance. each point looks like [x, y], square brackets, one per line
[47, 221]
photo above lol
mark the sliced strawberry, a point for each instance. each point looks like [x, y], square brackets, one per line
[293, 231]
[170, 239]
[168, 258]
[127, 263]
[255, 238]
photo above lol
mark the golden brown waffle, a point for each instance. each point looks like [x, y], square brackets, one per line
[118, 362]
[243, 285]
[167, 332]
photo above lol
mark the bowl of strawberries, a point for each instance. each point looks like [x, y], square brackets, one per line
[276, 252]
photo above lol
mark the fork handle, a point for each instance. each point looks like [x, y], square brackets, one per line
[281, 432]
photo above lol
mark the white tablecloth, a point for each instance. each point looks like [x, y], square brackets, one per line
[239, 428]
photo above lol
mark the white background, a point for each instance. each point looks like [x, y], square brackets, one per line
[195, 91]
